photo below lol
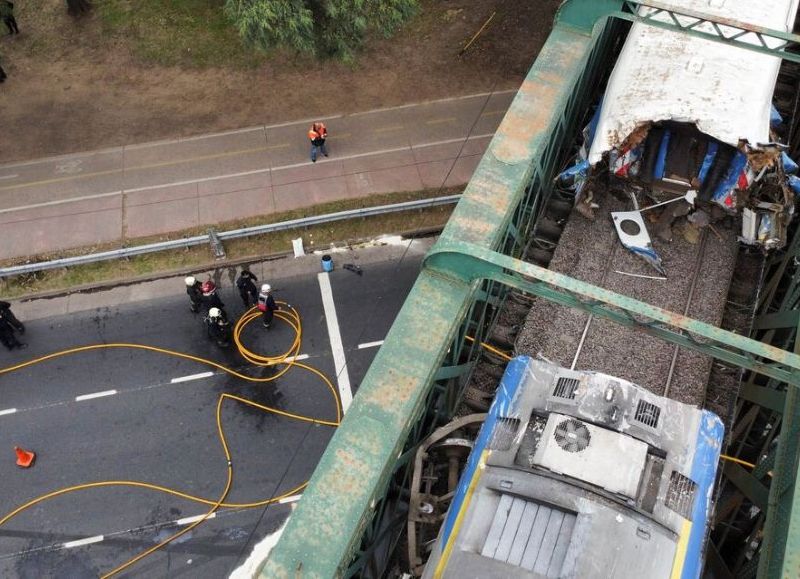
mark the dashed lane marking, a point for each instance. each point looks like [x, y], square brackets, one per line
[388, 129]
[191, 377]
[370, 345]
[440, 121]
[7, 411]
[291, 499]
[95, 395]
[339, 360]
[82, 542]
[194, 519]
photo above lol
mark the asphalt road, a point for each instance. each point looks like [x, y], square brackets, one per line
[143, 426]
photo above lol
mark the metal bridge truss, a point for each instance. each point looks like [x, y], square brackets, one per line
[351, 513]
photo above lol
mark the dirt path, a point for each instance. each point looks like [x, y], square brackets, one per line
[71, 87]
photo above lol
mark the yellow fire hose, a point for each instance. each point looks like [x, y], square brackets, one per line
[286, 360]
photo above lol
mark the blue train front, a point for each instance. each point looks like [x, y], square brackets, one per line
[579, 474]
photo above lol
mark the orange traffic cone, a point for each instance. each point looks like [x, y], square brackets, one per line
[25, 458]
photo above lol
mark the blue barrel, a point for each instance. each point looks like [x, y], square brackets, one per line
[327, 263]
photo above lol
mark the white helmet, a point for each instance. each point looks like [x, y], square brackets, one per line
[190, 281]
[214, 313]
[266, 288]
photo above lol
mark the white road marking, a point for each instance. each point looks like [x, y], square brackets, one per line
[339, 360]
[191, 377]
[370, 345]
[291, 499]
[7, 411]
[82, 542]
[95, 395]
[61, 201]
[297, 358]
[194, 519]
[14, 176]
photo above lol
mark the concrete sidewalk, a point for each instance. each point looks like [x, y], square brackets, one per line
[153, 188]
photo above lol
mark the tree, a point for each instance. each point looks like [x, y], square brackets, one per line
[324, 27]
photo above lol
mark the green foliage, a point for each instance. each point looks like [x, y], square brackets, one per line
[323, 27]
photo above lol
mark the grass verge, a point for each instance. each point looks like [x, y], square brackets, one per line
[256, 247]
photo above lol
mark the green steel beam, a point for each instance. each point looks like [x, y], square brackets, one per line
[750, 486]
[763, 396]
[780, 553]
[724, 30]
[470, 262]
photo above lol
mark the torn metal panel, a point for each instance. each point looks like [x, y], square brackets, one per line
[633, 235]
[666, 75]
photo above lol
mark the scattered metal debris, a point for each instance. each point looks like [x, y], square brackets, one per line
[633, 235]
[354, 268]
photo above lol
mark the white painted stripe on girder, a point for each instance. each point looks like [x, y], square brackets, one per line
[191, 377]
[194, 519]
[370, 345]
[95, 395]
[7, 411]
[339, 360]
[82, 542]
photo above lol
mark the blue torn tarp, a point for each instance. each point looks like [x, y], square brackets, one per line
[708, 160]
[789, 165]
[574, 178]
[724, 193]
[794, 184]
[775, 118]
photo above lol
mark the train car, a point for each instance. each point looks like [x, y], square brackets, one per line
[687, 115]
[580, 474]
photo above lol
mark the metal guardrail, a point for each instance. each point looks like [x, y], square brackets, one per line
[225, 235]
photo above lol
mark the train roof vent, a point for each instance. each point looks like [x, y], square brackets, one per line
[566, 388]
[530, 535]
[680, 494]
[572, 435]
[647, 414]
[504, 433]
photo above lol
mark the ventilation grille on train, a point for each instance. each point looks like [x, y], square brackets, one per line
[504, 432]
[572, 435]
[530, 535]
[566, 388]
[680, 494]
[647, 414]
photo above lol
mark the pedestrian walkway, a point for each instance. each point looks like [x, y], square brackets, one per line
[154, 188]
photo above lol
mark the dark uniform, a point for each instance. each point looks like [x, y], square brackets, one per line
[267, 305]
[195, 293]
[247, 288]
[8, 325]
[211, 300]
[7, 14]
[219, 329]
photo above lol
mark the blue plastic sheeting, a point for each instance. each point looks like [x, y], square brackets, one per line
[574, 177]
[775, 118]
[708, 160]
[728, 184]
[789, 166]
[661, 160]
[794, 184]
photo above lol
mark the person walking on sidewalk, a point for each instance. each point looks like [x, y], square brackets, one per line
[7, 14]
[317, 135]
[266, 304]
[246, 284]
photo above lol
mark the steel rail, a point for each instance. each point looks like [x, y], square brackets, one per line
[225, 235]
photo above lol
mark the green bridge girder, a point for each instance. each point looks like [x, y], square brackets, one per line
[481, 242]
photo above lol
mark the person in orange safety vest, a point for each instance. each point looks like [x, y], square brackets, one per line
[317, 135]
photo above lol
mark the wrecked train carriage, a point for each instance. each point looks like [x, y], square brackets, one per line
[683, 113]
